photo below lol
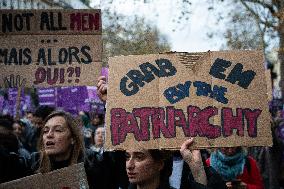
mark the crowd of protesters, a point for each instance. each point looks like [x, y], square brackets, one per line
[50, 139]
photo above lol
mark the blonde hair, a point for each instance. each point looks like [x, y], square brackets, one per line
[77, 148]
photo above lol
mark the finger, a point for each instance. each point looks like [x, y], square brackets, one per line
[186, 144]
[99, 89]
[101, 82]
[101, 78]
[102, 88]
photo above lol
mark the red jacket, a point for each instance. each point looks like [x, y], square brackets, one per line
[252, 178]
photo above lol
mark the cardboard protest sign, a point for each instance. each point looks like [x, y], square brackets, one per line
[157, 101]
[50, 22]
[269, 84]
[42, 52]
[71, 177]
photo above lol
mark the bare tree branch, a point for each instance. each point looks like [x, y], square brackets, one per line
[262, 3]
[258, 18]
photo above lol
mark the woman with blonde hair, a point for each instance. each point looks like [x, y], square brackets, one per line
[61, 145]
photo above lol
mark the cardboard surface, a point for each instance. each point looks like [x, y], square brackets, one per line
[44, 60]
[50, 48]
[269, 85]
[157, 101]
[51, 22]
[72, 177]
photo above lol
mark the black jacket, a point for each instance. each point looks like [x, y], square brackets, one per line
[214, 180]
[12, 166]
[107, 172]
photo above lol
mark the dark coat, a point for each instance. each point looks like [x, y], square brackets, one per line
[214, 180]
[12, 166]
[106, 172]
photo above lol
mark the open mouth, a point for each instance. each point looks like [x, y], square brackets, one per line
[49, 144]
[131, 175]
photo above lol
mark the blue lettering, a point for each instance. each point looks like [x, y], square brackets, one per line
[177, 93]
[137, 78]
[125, 88]
[244, 78]
[218, 67]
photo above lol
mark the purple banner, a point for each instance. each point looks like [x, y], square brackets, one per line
[73, 99]
[47, 96]
[9, 105]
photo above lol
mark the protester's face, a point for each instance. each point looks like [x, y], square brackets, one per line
[57, 138]
[30, 116]
[230, 151]
[96, 120]
[17, 129]
[99, 137]
[141, 167]
[37, 122]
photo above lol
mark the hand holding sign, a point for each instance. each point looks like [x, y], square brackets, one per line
[194, 161]
[102, 88]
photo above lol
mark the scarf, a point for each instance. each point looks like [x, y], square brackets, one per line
[229, 167]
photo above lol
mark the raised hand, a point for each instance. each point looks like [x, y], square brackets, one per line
[194, 161]
[102, 88]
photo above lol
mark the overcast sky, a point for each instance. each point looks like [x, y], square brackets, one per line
[191, 38]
